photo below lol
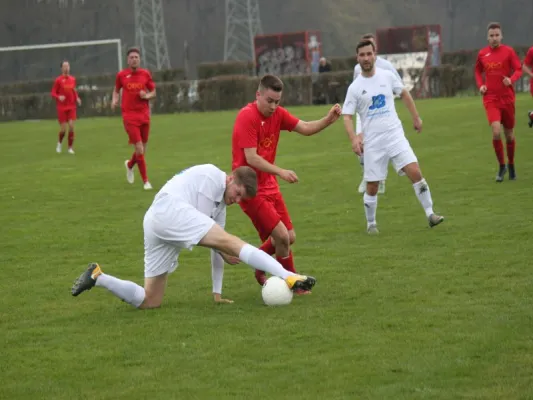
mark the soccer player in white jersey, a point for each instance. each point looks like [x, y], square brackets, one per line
[383, 64]
[190, 210]
[371, 95]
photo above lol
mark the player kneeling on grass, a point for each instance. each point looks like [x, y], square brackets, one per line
[371, 95]
[190, 210]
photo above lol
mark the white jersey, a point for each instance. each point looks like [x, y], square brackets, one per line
[380, 63]
[373, 99]
[202, 187]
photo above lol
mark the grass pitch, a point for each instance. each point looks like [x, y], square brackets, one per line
[415, 313]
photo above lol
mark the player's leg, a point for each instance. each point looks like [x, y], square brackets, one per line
[218, 239]
[494, 117]
[530, 113]
[160, 259]
[262, 213]
[508, 123]
[134, 138]
[140, 155]
[376, 165]
[407, 162]
[62, 119]
[71, 119]
[285, 228]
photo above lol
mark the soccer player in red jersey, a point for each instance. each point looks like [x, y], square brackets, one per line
[66, 96]
[137, 89]
[255, 140]
[501, 68]
[528, 69]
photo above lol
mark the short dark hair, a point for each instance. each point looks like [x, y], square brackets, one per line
[271, 82]
[494, 25]
[133, 50]
[367, 36]
[364, 43]
[247, 177]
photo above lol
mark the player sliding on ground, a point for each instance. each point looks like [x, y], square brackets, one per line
[190, 210]
[371, 95]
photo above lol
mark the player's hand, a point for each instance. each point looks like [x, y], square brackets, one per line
[142, 94]
[357, 145]
[114, 104]
[231, 260]
[288, 176]
[218, 299]
[483, 89]
[507, 81]
[79, 101]
[334, 113]
[61, 98]
[417, 124]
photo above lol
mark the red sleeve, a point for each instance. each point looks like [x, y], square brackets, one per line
[55, 89]
[528, 61]
[75, 88]
[150, 85]
[479, 71]
[245, 130]
[288, 121]
[118, 82]
[516, 65]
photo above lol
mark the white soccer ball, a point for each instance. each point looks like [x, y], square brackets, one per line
[276, 292]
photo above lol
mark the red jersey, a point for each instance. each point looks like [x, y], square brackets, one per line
[253, 130]
[132, 82]
[65, 85]
[528, 61]
[497, 63]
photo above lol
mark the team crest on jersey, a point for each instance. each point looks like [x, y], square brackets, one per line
[267, 141]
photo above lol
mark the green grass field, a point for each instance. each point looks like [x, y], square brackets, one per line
[415, 313]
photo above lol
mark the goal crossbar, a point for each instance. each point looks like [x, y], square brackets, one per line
[118, 42]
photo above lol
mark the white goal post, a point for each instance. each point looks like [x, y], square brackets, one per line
[118, 43]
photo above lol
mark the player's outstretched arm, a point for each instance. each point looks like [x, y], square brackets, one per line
[256, 161]
[411, 107]
[527, 70]
[309, 128]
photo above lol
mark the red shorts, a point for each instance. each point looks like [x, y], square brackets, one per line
[501, 112]
[137, 131]
[64, 116]
[265, 212]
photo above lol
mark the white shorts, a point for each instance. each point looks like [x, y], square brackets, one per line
[169, 226]
[377, 160]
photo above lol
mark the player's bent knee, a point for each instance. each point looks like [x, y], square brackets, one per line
[139, 148]
[217, 238]
[292, 236]
[372, 188]
[281, 234]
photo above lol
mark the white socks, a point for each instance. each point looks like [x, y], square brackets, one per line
[424, 196]
[371, 205]
[128, 291]
[262, 261]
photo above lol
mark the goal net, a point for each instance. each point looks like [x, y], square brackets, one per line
[42, 61]
[412, 50]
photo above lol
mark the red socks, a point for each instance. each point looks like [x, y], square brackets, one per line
[510, 151]
[268, 247]
[287, 262]
[498, 149]
[70, 139]
[61, 136]
[132, 161]
[141, 163]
